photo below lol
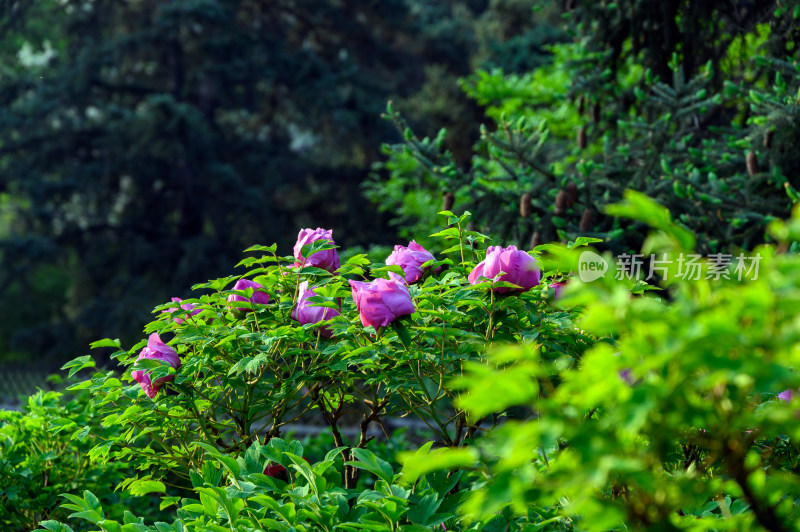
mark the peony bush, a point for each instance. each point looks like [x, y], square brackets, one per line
[307, 336]
[611, 405]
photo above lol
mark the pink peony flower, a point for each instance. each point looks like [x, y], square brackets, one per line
[327, 259]
[382, 301]
[557, 288]
[787, 395]
[259, 297]
[519, 268]
[188, 307]
[411, 259]
[306, 312]
[156, 350]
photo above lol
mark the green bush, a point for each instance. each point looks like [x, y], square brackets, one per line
[249, 369]
[672, 423]
[38, 462]
[712, 142]
[617, 406]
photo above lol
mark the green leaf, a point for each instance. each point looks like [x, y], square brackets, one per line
[583, 241]
[227, 462]
[61, 424]
[105, 342]
[168, 501]
[145, 486]
[416, 464]
[77, 364]
[450, 232]
[402, 333]
[638, 206]
[368, 461]
[55, 526]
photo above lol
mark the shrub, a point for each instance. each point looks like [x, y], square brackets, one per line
[44, 452]
[246, 368]
[674, 422]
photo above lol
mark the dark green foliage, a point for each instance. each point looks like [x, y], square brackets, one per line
[698, 32]
[39, 461]
[567, 138]
[145, 144]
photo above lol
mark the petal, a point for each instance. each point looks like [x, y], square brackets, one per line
[416, 247]
[476, 273]
[493, 264]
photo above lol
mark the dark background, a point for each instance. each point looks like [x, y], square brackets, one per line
[145, 143]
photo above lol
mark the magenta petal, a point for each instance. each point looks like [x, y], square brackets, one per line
[259, 297]
[326, 260]
[476, 273]
[413, 246]
[517, 266]
[155, 350]
[787, 395]
[381, 301]
[410, 259]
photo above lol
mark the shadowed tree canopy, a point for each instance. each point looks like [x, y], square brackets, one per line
[145, 143]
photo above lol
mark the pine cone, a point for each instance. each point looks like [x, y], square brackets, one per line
[447, 203]
[752, 163]
[596, 112]
[536, 239]
[768, 138]
[572, 193]
[586, 220]
[525, 205]
[561, 203]
[581, 104]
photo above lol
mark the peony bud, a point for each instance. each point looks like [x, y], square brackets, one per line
[410, 259]
[525, 205]
[306, 312]
[259, 298]
[278, 471]
[382, 301]
[155, 350]
[327, 259]
[518, 268]
[188, 307]
[787, 395]
[557, 288]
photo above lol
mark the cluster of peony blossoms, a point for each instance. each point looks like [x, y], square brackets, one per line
[379, 302]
